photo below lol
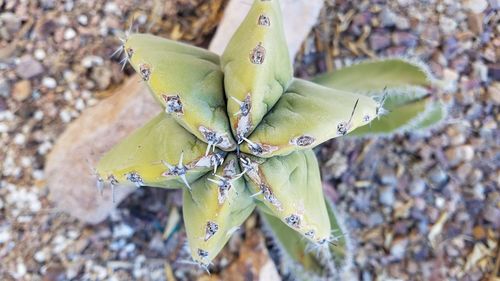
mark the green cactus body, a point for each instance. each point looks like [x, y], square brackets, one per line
[257, 67]
[290, 187]
[279, 118]
[214, 209]
[147, 42]
[307, 115]
[150, 156]
[189, 88]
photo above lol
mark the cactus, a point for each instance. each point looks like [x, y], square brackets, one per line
[237, 134]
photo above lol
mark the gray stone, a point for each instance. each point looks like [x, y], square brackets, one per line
[28, 67]
[387, 196]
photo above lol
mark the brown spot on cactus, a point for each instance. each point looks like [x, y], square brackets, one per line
[210, 229]
[230, 169]
[112, 180]
[135, 178]
[258, 54]
[202, 253]
[211, 160]
[245, 105]
[304, 140]
[173, 104]
[251, 168]
[269, 195]
[178, 171]
[130, 52]
[145, 71]
[342, 128]
[264, 20]
[310, 234]
[214, 138]
[224, 185]
[259, 149]
[293, 221]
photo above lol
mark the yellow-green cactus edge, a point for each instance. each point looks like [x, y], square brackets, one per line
[257, 67]
[307, 115]
[140, 41]
[190, 89]
[290, 189]
[305, 260]
[151, 156]
[215, 207]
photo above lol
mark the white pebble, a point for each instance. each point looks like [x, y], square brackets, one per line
[440, 202]
[39, 54]
[38, 115]
[49, 82]
[44, 148]
[65, 116]
[69, 34]
[39, 256]
[476, 6]
[111, 8]
[447, 24]
[80, 104]
[3, 128]
[25, 161]
[122, 230]
[83, 20]
[21, 270]
[4, 235]
[38, 175]
[90, 61]
[19, 139]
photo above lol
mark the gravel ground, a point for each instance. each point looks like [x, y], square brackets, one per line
[420, 206]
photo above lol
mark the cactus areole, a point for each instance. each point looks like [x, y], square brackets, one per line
[237, 133]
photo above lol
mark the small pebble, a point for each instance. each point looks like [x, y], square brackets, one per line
[39, 54]
[417, 187]
[398, 248]
[475, 6]
[83, 20]
[49, 82]
[69, 34]
[122, 230]
[40, 256]
[21, 90]
[29, 68]
[437, 175]
[380, 40]
[387, 196]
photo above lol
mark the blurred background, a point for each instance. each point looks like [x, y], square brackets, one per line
[419, 206]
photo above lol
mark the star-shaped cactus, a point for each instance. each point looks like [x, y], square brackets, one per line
[237, 134]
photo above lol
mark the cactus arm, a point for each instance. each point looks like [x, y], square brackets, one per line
[214, 208]
[375, 76]
[404, 82]
[190, 90]
[141, 158]
[290, 187]
[434, 114]
[300, 256]
[413, 115]
[151, 42]
[257, 67]
[307, 115]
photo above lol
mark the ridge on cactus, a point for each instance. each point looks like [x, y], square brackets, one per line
[237, 134]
